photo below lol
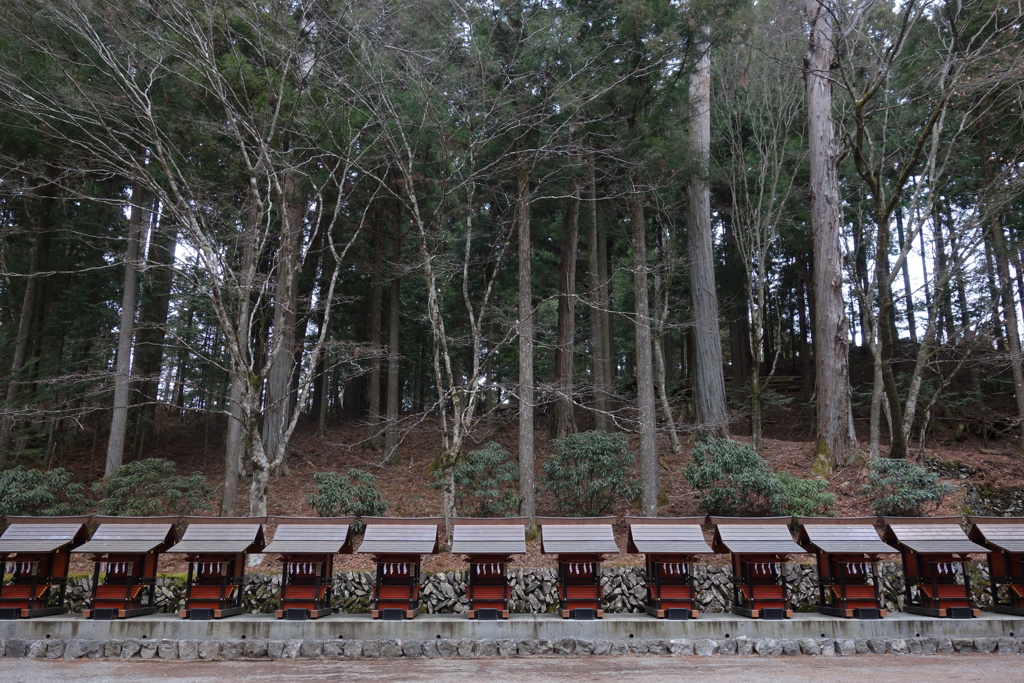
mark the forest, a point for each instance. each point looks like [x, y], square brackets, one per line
[433, 220]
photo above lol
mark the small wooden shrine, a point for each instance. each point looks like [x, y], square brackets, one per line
[36, 553]
[847, 551]
[125, 552]
[488, 544]
[934, 552]
[1004, 536]
[669, 545]
[760, 548]
[216, 550]
[398, 546]
[580, 544]
[307, 546]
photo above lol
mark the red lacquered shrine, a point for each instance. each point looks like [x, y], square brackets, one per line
[934, 551]
[216, 549]
[36, 553]
[307, 546]
[488, 544]
[580, 544]
[669, 545]
[760, 548]
[398, 546]
[847, 551]
[125, 552]
[1004, 536]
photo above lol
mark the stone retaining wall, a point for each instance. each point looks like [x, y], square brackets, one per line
[534, 590]
[376, 649]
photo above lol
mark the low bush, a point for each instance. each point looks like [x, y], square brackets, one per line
[151, 487]
[589, 473]
[735, 481]
[487, 483]
[802, 497]
[900, 488]
[732, 478]
[352, 494]
[40, 493]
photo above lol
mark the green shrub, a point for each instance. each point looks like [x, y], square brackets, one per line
[152, 487]
[732, 478]
[900, 488]
[589, 473]
[802, 497]
[40, 493]
[487, 483]
[353, 494]
[735, 481]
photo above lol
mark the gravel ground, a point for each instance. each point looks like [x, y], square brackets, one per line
[891, 668]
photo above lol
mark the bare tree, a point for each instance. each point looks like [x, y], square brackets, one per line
[759, 107]
[132, 52]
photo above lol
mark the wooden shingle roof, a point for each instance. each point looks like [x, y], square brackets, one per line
[222, 535]
[928, 535]
[136, 535]
[667, 535]
[314, 535]
[43, 534]
[478, 536]
[754, 535]
[577, 535]
[842, 535]
[400, 536]
[998, 533]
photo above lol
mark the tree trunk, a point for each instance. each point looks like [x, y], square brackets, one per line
[908, 294]
[1010, 315]
[563, 419]
[806, 367]
[28, 310]
[150, 334]
[394, 339]
[661, 285]
[898, 446]
[599, 358]
[835, 442]
[709, 378]
[234, 453]
[125, 334]
[643, 367]
[526, 399]
[376, 301]
[279, 398]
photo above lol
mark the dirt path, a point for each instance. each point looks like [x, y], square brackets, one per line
[891, 668]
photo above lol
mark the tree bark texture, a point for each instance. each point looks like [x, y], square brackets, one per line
[234, 453]
[282, 344]
[526, 396]
[835, 443]
[1010, 315]
[125, 335]
[28, 311]
[563, 420]
[376, 316]
[644, 367]
[597, 284]
[394, 339]
[150, 333]
[709, 377]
